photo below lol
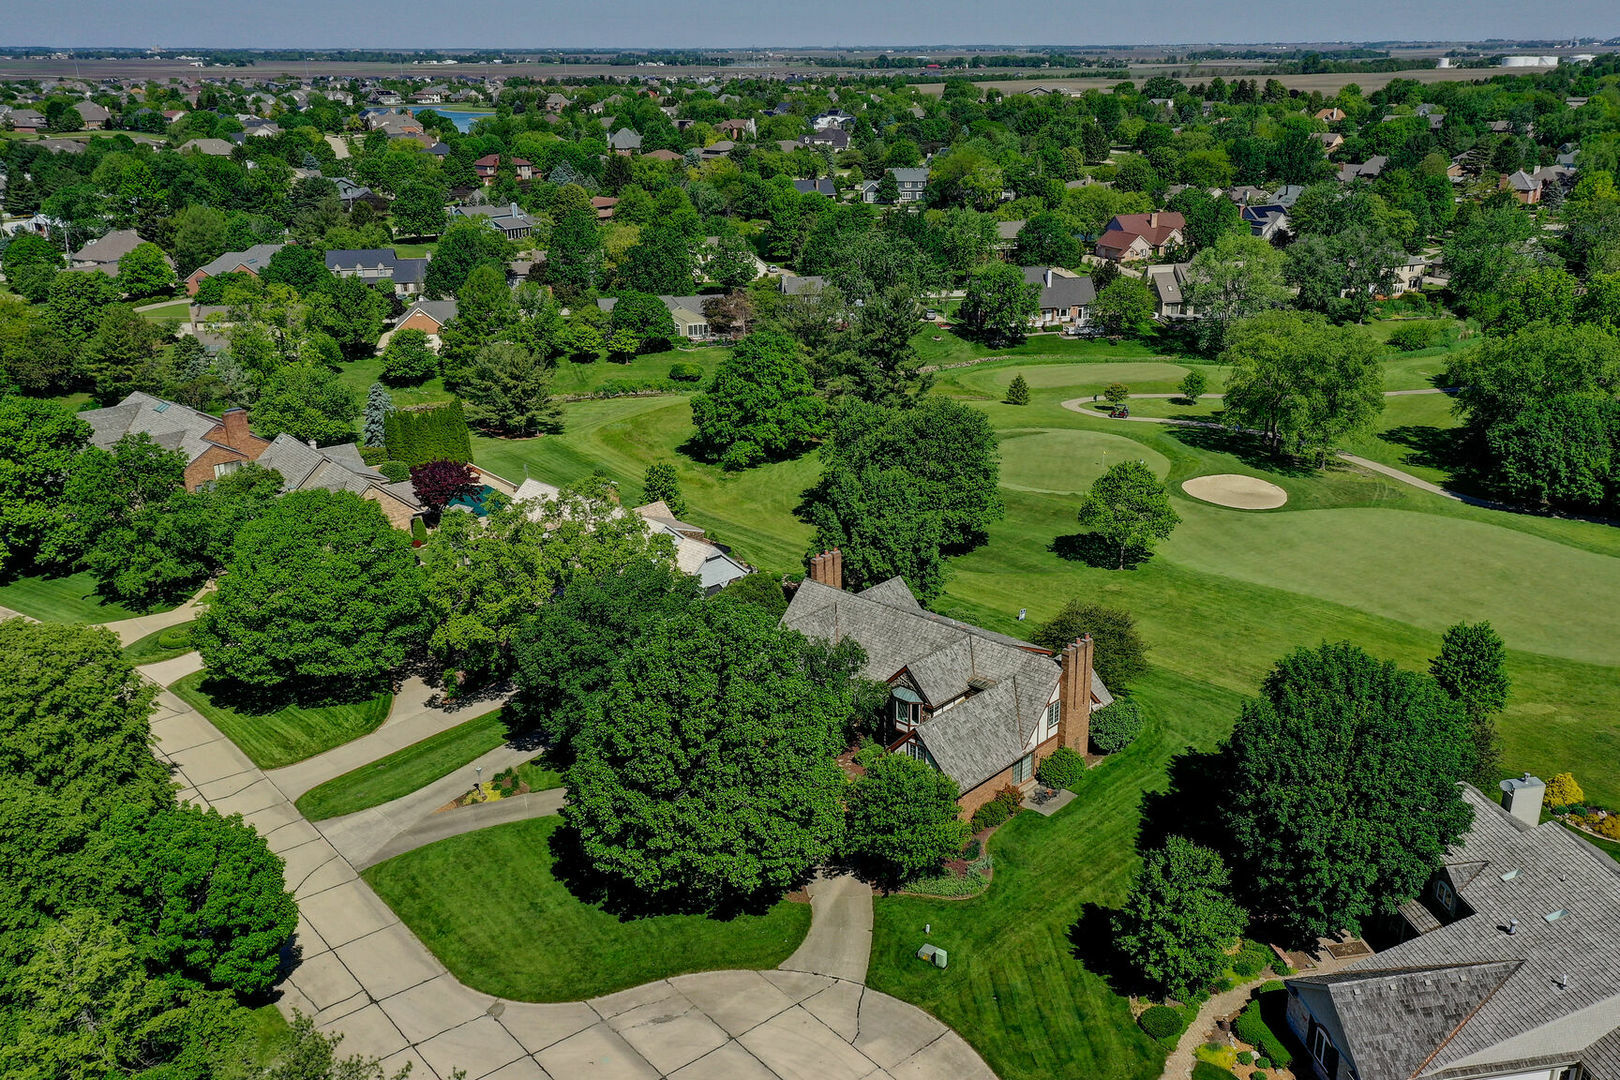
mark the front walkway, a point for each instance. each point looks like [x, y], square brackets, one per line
[132, 630]
[361, 971]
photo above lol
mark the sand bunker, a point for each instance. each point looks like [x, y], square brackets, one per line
[1238, 492]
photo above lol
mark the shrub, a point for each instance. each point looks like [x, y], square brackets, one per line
[395, 471]
[1251, 960]
[1562, 790]
[1257, 1075]
[1217, 1053]
[972, 849]
[1116, 726]
[373, 455]
[175, 637]
[997, 810]
[1412, 336]
[685, 372]
[1246, 1057]
[1203, 1070]
[1061, 768]
[1252, 1028]
[1262, 1062]
[1162, 1022]
[1609, 827]
[869, 754]
[419, 530]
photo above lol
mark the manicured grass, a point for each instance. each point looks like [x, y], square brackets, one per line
[180, 309]
[267, 1035]
[1014, 988]
[487, 904]
[165, 644]
[538, 776]
[751, 510]
[405, 770]
[1066, 461]
[572, 378]
[952, 349]
[291, 733]
[358, 375]
[69, 598]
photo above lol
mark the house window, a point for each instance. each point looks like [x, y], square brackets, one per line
[1444, 894]
[907, 709]
[1024, 768]
[1323, 1050]
[1054, 712]
[915, 750]
[225, 468]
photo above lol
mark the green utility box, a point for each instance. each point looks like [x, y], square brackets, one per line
[933, 954]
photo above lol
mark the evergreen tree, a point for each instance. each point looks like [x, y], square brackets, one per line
[1018, 391]
[379, 403]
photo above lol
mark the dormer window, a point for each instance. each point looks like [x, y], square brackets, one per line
[907, 709]
[1445, 895]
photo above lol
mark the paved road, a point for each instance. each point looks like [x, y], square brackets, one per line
[361, 971]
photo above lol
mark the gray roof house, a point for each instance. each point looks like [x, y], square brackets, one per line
[509, 218]
[980, 706]
[212, 445]
[374, 265]
[251, 261]
[624, 141]
[1512, 968]
[103, 253]
[1168, 282]
[1066, 298]
[911, 182]
[303, 467]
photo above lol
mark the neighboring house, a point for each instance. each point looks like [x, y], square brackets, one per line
[376, 265]
[796, 285]
[1510, 967]
[212, 445]
[715, 150]
[351, 194]
[92, 117]
[1525, 188]
[1330, 140]
[667, 155]
[1168, 284]
[556, 103]
[714, 566]
[1007, 234]
[603, 205]
[1066, 298]
[428, 316]
[1287, 195]
[251, 261]
[823, 186]
[981, 707]
[1134, 237]
[1330, 115]
[1366, 170]
[1248, 195]
[1409, 275]
[833, 138]
[211, 147]
[687, 311]
[487, 166]
[913, 183]
[1268, 222]
[737, 129]
[26, 120]
[304, 467]
[624, 141]
[103, 253]
[509, 219]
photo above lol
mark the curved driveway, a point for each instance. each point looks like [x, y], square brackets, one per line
[359, 970]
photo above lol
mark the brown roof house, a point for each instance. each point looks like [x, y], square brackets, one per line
[251, 261]
[1510, 967]
[213, 445]
[981, 707]
[103, 253]
[1133, 237]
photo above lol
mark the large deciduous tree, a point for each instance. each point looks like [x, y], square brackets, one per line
[1178, 922]
[705, 775]
[322, 594]
[507, 389]
[761, 404]
[1000, 304]
[40, 442]
[1472, 668]
[308, 402]
[902, 819]
[1119, 654]
[1341, 788]
[1129, 508]
[1237, 276]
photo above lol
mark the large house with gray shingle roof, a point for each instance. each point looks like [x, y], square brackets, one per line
[212, 445]
[981, 707]
[1511, 970]
[339, 468]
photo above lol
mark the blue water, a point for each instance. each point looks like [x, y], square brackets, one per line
[464, 119]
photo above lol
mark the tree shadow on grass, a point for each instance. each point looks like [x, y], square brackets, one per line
[574, 871]
[1434, 448]
[1245, 446]
[261, 701]
[1189, 806]
[1092, 942]
[1095, 550]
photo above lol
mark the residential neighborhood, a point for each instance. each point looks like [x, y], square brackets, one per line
[843, 561]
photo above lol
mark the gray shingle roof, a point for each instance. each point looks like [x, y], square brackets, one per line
[1502, 870]
[998, 687]
[171, 425]
[1065, 290]
[255, 258]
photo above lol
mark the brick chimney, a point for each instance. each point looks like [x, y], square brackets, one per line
[1153, 220]
[1047, 277]
[1074, 696]
[237, 435]
[828, 568]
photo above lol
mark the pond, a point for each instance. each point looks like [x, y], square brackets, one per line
[464, 118]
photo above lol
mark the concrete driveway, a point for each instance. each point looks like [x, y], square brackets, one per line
[359, 970]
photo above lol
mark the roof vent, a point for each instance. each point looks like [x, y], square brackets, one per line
[1509, 875]
[1563, 982]
[981, 682]
[1554, 916]
[1513, 926]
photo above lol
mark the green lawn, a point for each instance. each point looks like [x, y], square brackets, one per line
[165, 644]
[358, 375]
[288, 734]
[572, 378]
[67, 598]
[1014, 988]
[405, 770]
[180, 309]
[488, 906]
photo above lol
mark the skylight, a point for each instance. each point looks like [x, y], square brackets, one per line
[1554, 916]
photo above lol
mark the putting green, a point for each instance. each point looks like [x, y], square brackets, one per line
[1421, 569]
[1064, 461]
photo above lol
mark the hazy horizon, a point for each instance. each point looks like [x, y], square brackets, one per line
[777, 24]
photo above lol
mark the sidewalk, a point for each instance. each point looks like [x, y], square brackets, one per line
[415, 714]
[132, 630]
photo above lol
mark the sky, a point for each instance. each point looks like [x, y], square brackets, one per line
[521, 24]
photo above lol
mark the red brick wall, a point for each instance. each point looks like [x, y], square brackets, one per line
[976, 797]
[419, 321]
[201, 471]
